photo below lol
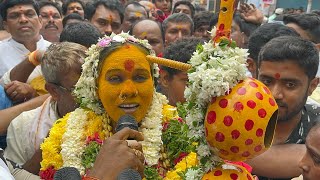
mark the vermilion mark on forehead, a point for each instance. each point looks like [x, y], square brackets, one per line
[128, 65]
[144, 34]
[50, 13]
[138, 14]
[110, 19]
[277, 76]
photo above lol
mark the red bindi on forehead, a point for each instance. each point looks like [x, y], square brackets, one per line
[128, 65]
[277, 76]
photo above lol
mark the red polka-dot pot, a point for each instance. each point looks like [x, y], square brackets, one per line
[241, 124]
[228, 172]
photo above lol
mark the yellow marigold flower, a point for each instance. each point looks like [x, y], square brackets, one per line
[187, 162]
[51, 146]
[169, 112]
[172, 175]
[195, 144]
[95, 125]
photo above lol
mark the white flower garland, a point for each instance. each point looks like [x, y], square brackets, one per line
[215, 70]
[86, 87]
[73, 140]
[151, 128]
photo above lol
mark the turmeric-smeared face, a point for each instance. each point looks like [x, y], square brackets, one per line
[125, 83]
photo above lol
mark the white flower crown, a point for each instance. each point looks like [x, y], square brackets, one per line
[86, 87]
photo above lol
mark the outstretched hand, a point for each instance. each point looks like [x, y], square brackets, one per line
[118, 154]
[251, 14]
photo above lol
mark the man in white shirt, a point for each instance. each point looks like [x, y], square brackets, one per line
[20, 19]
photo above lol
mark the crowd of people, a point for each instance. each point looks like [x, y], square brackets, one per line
[43, 69]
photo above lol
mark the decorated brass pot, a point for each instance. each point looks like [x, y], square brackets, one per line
[241, 124]
[228, 172]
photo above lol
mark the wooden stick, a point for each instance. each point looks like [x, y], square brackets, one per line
[227, 8]
[169, 63]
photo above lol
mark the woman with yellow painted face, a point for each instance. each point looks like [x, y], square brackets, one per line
[125, 84]
[117, 79]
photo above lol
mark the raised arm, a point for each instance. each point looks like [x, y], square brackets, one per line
[7, 115]
[22, 71]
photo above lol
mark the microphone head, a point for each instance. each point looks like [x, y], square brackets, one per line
[69, 173]
[127, 121]
[129, 174]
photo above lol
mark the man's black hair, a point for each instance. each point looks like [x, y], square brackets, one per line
[182, 51]
[71, 16]
[113, 5]
[264, 34]
[134, 25]
[308, 22]
[246, 27]
[44, 3]
[66, 4]
[10, 3]
[177, 18]
[202, 18]
[83, 33]
[292, 49]
[187, 3]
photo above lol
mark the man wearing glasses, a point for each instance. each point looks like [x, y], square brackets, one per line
[61, 67]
